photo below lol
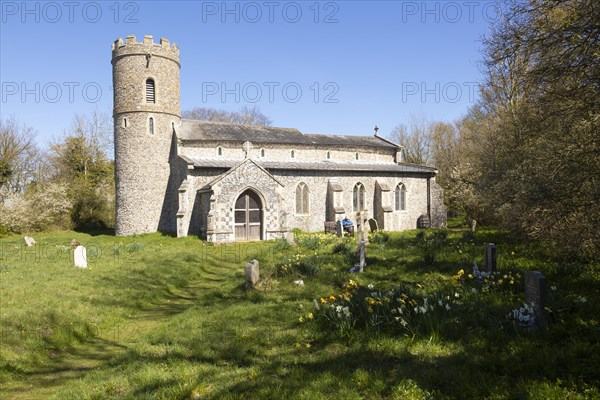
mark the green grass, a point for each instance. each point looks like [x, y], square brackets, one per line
[156, 317]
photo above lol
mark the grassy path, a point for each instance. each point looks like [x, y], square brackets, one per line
[102, 351]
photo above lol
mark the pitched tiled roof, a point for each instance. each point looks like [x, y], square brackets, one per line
[313, 166]
[195, 130]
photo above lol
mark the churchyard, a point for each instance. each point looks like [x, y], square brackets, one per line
[155, 317]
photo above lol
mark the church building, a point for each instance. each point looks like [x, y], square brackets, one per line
[227, 182]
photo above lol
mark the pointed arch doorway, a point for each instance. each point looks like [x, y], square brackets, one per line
[248, 216]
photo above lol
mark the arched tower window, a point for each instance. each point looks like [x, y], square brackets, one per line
[293, 154]
[262, 153]
[356, 156]
[150, 92]
[124, 122]
[358, 197]
[151, 125]
[400, 197]
[302, 198]
[328, 155]
[219, 151]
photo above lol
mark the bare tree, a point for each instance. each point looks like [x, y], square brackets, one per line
[246, 116]
[415, 139]
[18, 156]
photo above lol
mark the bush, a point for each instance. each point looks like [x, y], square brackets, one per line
[42, 207]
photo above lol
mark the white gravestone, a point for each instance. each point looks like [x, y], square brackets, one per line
[29, 241]
[251, 273]
[80, 257]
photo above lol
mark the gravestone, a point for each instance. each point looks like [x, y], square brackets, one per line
[74, 244]
[423, 222]
[339, 229]
[29, 241]
[489, 258]
[251, 274]
[373, 225]
[289, 236]
[330, 227]
[80, 257]
[362, 256]
[536, 294]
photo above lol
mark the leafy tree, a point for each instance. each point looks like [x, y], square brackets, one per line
[537, 152]
[81, 160]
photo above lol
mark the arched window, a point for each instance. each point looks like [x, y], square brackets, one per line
[219, 151]
[124, 122]
[151, 125]
[400, 197]
[293, 154]
[302, 198]
[262, 153]
[150, 94]
[356, 156]
[358, 197]
[328, 155]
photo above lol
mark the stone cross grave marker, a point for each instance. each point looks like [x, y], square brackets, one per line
[29, 241]
[359, 227]
[489, 258]
[362, 256]
[536, 294]
[251, 274]
[80, 257]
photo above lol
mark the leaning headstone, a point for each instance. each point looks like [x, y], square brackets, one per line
[373, 225]
[80, 257]
[489, 258]
[362, 256]
[339, 229]
[29, 241]
[299, 282]
[536, 294]
[251, 274]
[74, 244]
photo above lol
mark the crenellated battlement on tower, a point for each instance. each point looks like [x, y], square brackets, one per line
[130, 46]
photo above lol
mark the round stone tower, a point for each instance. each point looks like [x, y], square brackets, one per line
[146, 114]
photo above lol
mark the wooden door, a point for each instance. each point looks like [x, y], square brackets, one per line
[248, 217]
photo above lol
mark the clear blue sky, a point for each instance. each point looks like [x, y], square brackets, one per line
[373, 62]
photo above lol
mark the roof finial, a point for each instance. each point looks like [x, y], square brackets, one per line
[376, 130]
[247, 146]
